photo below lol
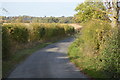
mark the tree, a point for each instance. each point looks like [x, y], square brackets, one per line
[113, 8]
[90, 10]
[99, 9]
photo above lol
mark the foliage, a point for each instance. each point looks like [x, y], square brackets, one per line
[30, 19]
[113, 11]
[52, 29]
[17, 36]
[88, 10]
[111, 54]
[17, 32]
[96, 51]
[5, 43]
[38, 32]
[68, 29]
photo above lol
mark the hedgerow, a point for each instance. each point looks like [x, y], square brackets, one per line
[96, 51]
[5, 44]
[18, 35]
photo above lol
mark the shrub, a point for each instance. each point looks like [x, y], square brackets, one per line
[69, 29]
[17, 32]
[38, 32]
[5, 44]
[110, 54]
[97, 50]
[18, 35]
[54, 30]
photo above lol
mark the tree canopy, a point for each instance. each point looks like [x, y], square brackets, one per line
[90, 10]
[98, 9]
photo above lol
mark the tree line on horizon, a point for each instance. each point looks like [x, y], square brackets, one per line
[30, 19]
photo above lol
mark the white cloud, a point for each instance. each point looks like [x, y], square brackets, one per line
[41, 0]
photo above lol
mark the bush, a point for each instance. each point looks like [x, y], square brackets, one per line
[97, 50]
[38, 32]
[50, 32]
[54, 30]
[59, 30]
[110, 54]
[20, 35]
[69, 29]
[5, 44]
[17, 35]
[17, 32]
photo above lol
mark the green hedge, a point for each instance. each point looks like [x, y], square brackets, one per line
[5, 44]
[68, 29]
[16, 35]
[96, 51]
[37, 32]
[20, 35]
[111, 54]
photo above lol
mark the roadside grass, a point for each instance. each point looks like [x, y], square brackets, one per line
[20, 56]
[89, 66]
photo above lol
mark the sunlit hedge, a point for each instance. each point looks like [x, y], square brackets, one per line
[18, 35]
[96, 51]
[68, 29]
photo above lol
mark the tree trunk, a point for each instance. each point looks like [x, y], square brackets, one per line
[113, 8]
[115, 13]
[115, 17]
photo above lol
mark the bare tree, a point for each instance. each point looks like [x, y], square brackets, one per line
[2, 11]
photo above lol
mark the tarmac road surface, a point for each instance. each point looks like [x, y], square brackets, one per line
[49, 62]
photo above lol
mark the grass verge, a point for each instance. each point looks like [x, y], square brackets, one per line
[20, 55]
[89, 66]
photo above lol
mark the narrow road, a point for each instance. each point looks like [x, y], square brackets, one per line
[49, 62]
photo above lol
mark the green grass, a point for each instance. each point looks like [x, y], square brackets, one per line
[20, 56]
[87, 65]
